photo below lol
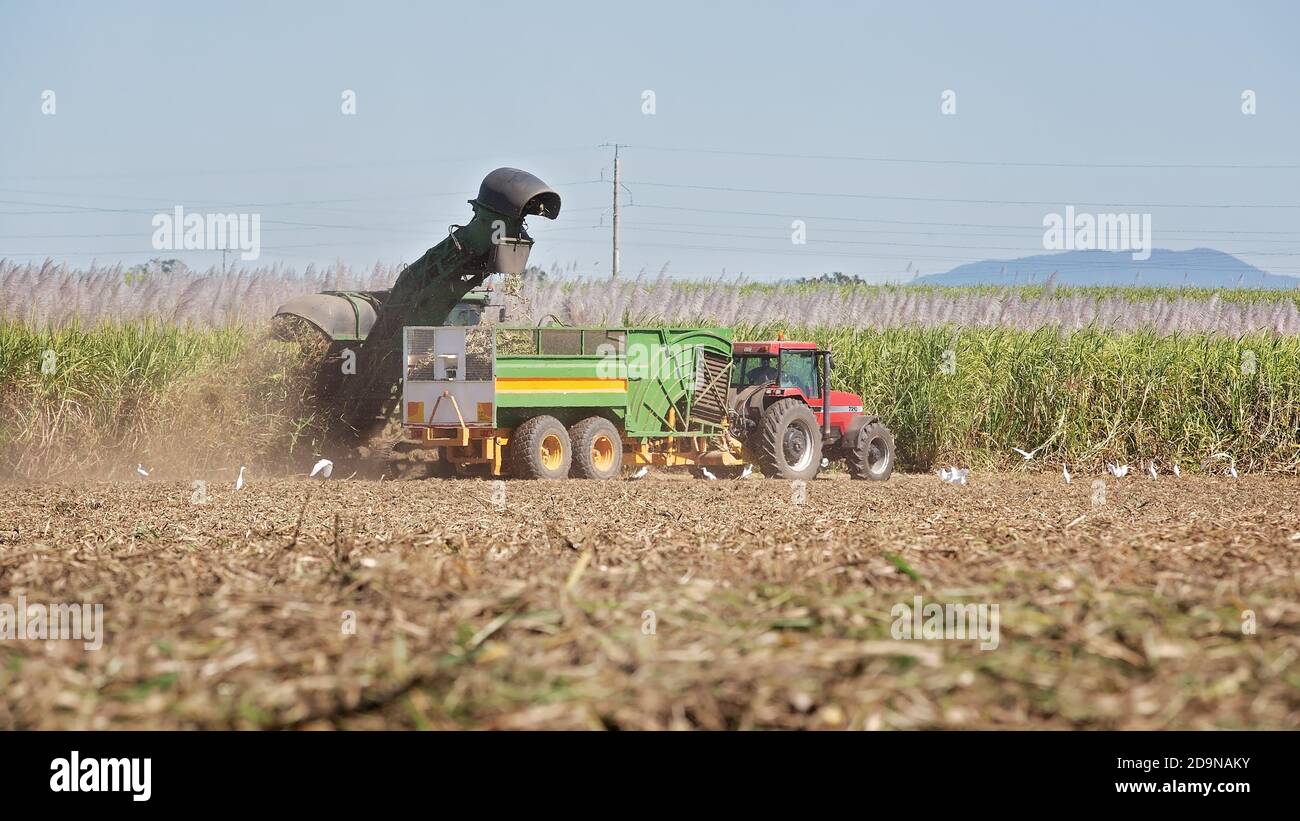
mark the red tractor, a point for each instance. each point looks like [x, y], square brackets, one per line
[779, 390]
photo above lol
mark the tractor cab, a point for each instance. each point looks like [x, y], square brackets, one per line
[779, 363]
[469, 311]
[799, 370]
[791, 380]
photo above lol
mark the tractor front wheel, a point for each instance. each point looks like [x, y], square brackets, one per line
[788, 443]
[872, 456]
[540, 449]
[597, 449]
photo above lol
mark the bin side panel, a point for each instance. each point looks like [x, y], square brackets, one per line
[569, 387]
[666, 368]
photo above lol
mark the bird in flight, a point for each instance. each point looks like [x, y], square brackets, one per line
[324, 467]
[1118, 471]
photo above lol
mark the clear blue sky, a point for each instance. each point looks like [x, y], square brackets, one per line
[235, 106]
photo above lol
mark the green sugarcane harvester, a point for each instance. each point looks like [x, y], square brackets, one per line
[426, 292]
[552, 402]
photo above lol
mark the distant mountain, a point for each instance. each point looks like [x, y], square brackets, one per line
[1198, 268]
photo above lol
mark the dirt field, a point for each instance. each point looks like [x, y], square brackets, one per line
[1127, 612]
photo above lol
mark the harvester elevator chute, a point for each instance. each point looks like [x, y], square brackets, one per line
[494, 241]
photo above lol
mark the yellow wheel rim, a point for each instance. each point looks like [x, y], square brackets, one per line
[552, 452]
[602, 453]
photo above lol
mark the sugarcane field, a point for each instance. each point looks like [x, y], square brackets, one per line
[398, 400]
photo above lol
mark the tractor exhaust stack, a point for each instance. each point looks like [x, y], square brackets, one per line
[826, 395]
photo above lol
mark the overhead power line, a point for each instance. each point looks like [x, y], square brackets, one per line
[955, 200]
[793, 215]
[977, 163]
[294, 204]
[1017, 248]
[290, 169]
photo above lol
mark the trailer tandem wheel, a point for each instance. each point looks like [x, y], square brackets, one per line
[541, 449]
[597, 449]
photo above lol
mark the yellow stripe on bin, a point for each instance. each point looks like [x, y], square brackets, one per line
[545, 385]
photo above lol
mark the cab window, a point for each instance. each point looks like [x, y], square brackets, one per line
[753, 370]
[799, 370]
[464, 315]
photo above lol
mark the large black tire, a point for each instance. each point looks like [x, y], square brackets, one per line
[540, 449]
[872, 456]
[597, 449]
[788, 443]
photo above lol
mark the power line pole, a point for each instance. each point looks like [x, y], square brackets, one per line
[614, 268]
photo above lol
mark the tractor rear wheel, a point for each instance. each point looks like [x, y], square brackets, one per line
[540, 449]
[872, 456]
[597, 449]
[788, 444]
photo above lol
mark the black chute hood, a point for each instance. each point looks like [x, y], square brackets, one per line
[517, 194]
